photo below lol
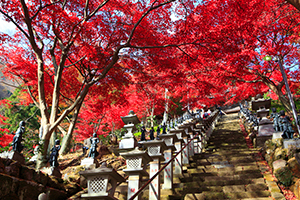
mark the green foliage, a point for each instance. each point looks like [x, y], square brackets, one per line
[284, 176]
[16, 113]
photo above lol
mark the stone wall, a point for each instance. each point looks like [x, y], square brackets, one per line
[24, 183]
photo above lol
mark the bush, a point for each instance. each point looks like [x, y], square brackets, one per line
[284, 176]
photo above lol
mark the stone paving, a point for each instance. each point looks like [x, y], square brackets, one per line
[228, 169]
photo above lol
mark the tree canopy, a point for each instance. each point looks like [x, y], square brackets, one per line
[88, 62]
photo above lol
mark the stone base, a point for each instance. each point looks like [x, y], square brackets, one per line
[51, 171]
[293, 142]
[266, 130]
[260, 140]
[90, 163]
[33, 158]
[277, 135]
[128, 143]
[13, 155]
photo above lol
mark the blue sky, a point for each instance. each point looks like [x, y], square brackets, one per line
[6, 27]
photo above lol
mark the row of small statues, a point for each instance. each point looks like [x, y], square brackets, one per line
[281, 122]
[18, 147]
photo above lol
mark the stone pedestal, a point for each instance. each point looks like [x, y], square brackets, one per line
[291, 142]
[90, 162]
[13, 155]
[265, 132]
[52, 171]
[277, 135]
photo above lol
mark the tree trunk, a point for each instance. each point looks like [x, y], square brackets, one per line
[65, 146]
[295, 3]
[152, 115]
[165, 119]
[277, 90]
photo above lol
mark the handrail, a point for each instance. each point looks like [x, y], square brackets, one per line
[161, 169]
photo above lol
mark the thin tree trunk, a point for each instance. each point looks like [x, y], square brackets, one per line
[165, 119]
[152, 115]
[65, 146]
[277, 90]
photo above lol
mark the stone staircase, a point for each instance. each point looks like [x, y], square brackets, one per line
[227, 169]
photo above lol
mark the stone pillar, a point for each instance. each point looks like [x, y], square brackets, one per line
[169, 139]
[134, 183]
[168, 171]
[178, 159]
[178, 145]
[154, 186]
[155, 151]
[185, 156]
[191, 144]
[136, 162]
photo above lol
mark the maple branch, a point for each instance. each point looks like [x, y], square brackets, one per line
[42, 7]
[71, 108]
[8, 84]
[15, 23]
[29, 28]
[97, 9]
[32, 97]
[156, 47]
[73, 64]
[86, 9]
[143, 16]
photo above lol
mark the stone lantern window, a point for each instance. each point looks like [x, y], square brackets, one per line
[102, 182]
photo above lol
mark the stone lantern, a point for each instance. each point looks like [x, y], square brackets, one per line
[128, 141]
[170, 140]
[156, 150]
[102, 183]
[265, 126]
[136, 162]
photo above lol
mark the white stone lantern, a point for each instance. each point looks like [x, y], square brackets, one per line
[102, 183]
[128, 141]
[156, 150]
[136, 162]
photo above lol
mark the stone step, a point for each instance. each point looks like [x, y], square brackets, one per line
[258, 195]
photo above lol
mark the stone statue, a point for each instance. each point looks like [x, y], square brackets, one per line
[175, 122]
[280, 120]
[152, 133]
[164, 129]
[275, 117]
[94, 144]
[158, 131]
[17, 146]
[143, 130]
[54, 154]
[288, 131]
